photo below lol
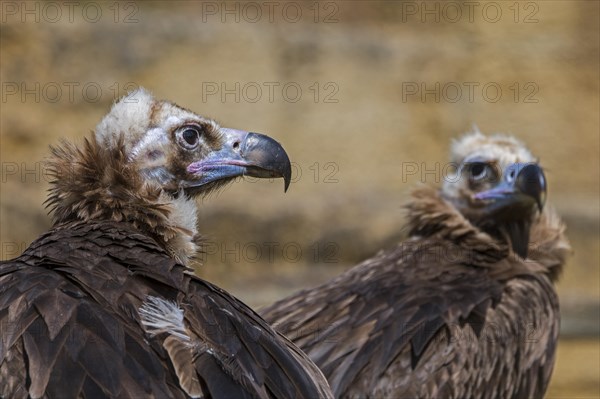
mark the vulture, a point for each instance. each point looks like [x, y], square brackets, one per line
[464, 307]
[104, 304]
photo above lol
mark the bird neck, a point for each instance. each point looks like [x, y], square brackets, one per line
[94, 184]
[430, 215]
[548, 243]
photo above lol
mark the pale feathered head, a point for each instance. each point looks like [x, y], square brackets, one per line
[499, 186]
[179, 149]
[146, 160]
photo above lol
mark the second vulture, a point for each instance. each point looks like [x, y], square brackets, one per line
[465, 307]
[103, 304]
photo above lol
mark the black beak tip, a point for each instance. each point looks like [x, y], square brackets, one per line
[287, 177]
[532, 181]
[282, 167]
[269, 155]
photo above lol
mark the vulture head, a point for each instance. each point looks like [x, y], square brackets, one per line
[499, 187]
[146, 162]
[179, 150]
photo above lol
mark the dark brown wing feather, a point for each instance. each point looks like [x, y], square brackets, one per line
[69, 313]
[422, 321]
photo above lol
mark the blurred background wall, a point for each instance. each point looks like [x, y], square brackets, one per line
[365, 96]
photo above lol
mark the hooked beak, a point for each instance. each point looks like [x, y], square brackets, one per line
[523, 185]
[512, 202]
[243, 154]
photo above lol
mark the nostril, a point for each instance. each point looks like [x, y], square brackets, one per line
[236, 145]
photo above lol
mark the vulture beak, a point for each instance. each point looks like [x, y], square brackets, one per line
[512, 201]
[243, 154]
[523, 185]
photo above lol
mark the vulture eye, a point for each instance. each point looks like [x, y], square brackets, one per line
[481, 171]
[189, 137]
[478, 170]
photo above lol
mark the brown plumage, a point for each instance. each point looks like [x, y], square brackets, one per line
[465, 307]
[104, 305]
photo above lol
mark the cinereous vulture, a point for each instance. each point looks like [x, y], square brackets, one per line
[104, 303]
[465, 307]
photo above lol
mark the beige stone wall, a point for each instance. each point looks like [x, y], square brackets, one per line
[384, 87]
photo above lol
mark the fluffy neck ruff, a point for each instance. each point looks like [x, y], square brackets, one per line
[430, 215]
[94, 183]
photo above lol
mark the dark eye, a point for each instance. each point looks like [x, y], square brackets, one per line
[189, 137]
[478, 170]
